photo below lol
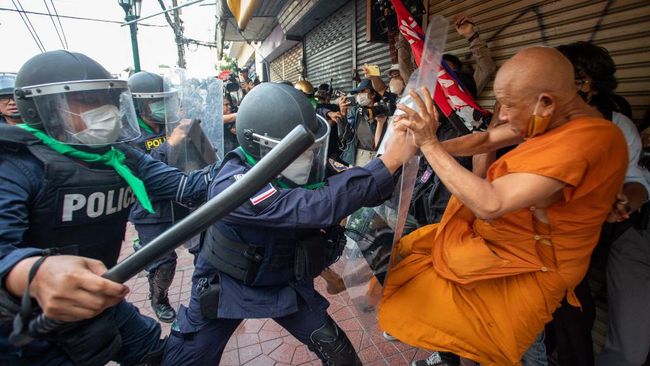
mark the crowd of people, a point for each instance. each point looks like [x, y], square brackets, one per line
[508, 207]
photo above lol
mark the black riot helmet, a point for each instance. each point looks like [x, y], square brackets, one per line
[268, 113]
[153, 97]
[75, 100]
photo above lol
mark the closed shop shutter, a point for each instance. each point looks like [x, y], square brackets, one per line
[329, 50]
[509, 25]
[287, 66]
[622, 27]
[368, 52]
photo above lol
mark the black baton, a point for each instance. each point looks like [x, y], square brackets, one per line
[268, 168]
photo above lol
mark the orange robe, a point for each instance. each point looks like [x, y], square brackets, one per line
[484, 289]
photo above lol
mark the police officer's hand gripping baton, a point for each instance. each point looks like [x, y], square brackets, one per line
[269, 167]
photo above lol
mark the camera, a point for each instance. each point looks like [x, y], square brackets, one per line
[232, 85]
[382, 108]
[350, 99]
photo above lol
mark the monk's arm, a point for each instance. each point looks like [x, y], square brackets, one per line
[482, 142]
[489, 200]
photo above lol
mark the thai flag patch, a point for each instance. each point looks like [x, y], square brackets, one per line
[265, 193]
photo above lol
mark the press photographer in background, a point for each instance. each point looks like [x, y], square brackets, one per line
[361, 132]
[229, 118]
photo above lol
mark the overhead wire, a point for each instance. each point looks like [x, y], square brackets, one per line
[60, 25]
[79, 18]
[25, 21]
[54, 24]
[32, 25]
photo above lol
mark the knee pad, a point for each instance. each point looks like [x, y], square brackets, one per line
[332, 345]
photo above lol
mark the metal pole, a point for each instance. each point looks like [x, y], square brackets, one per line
[178, 33]
[134, 42]
[135, 20]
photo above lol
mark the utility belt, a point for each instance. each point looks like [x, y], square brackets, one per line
[251, 264]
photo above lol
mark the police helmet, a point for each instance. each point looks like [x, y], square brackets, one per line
[75, 100]
[7, 84]
[305, 87]
[269, 112]
[154, 98]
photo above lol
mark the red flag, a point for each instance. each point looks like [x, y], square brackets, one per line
[449, 94]
[410, 29]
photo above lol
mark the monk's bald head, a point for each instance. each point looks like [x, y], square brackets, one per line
[537, 70]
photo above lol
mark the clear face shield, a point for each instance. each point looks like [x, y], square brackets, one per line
[309, 167]
[159, 108]
[89, 112]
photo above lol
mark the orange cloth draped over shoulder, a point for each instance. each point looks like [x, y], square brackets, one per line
[483, 289]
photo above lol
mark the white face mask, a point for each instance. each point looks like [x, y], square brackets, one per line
[299, 171]
[396, 86]
[103, 125]
[363, 99]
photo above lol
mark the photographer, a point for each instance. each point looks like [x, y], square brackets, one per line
[361, 133]
[229, 118]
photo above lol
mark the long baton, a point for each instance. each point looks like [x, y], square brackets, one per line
[268, 168]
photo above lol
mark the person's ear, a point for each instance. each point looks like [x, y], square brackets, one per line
[546, 106]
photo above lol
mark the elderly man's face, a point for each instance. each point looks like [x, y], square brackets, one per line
[514, 109]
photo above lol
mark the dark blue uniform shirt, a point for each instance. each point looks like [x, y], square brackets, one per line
[287, 215]
[21, 178]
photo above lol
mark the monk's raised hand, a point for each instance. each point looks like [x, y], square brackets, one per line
[423, 122]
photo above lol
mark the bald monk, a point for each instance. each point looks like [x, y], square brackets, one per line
[483, 282]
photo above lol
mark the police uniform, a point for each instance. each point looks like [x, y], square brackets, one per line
[52, 201]
[270, 226]
[149, 225]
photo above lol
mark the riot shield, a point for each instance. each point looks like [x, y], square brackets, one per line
[194, 127]
[372, 232]
[196, 133]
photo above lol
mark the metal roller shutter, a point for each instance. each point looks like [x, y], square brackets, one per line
[367, 52]
[509, 25]
[329, 50]
[288, 65]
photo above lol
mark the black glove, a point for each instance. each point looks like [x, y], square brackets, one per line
[90, 342]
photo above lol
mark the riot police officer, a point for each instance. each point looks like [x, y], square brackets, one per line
[155, 104]
[65, 189]
[8, 111]
[260, 260]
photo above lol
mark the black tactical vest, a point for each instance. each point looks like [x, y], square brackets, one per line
[80, 209]
[165, 211]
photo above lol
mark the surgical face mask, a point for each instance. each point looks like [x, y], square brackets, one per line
[103, 125]
[299, 171]
[537, 125]
[396, 86]
[158, 111]
[363, 99]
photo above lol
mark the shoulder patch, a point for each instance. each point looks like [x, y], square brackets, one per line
[267, 192]
[335, 167]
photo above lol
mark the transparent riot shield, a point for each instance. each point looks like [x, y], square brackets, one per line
[193, 125]
[372, 232]
[195, 134]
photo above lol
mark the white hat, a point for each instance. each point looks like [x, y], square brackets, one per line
[393, 67]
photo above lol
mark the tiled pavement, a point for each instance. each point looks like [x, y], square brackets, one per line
[262, 341]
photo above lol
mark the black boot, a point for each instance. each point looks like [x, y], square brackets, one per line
[332, 346]
[159, 281]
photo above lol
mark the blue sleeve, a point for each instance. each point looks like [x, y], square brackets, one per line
[20, 182]
[168, 183]
[160, 153]
[343, 194]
